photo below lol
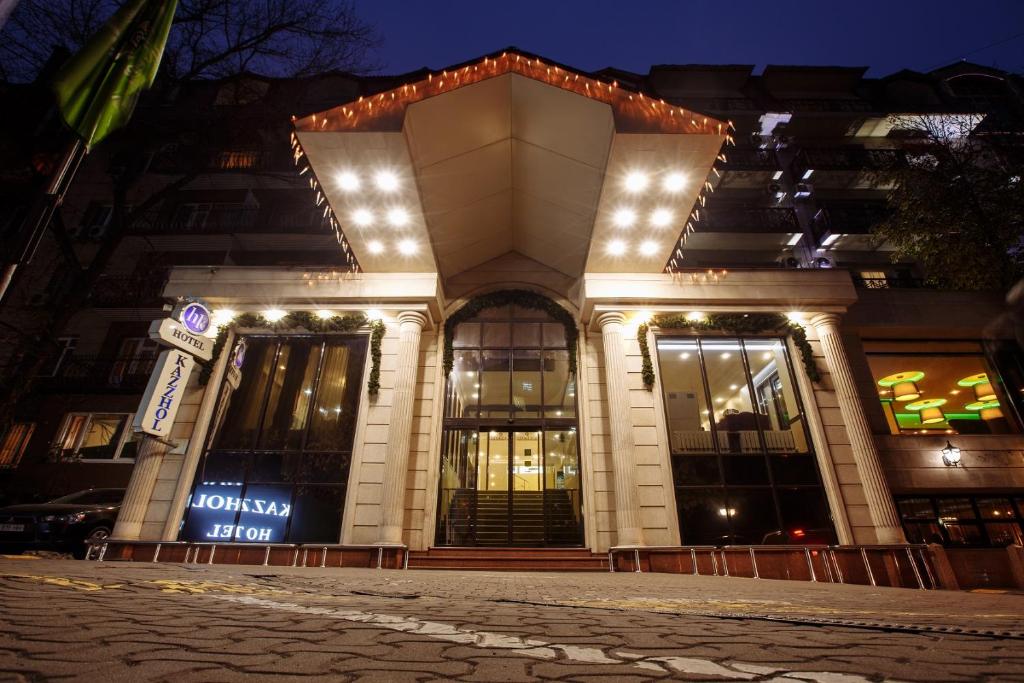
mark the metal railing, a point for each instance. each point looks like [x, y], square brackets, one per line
[888, 282]
[98, 373]
[129, 291]
[847, 159]
[747, 159]
[229, 220]
[730, 219]
[849, 220]
[899, 566]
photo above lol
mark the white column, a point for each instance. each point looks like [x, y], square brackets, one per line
[627, 512]
[396, 463]
[140, 489]
[865, 454]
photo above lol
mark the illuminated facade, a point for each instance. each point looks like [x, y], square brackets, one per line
[572, 310]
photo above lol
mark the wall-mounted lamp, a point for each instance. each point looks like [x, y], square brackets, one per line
[951, 455]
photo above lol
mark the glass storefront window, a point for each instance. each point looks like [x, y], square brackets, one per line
[279, 465]
[735, 422]
[988, 520]
[940, 388]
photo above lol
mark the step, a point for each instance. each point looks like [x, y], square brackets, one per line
[509, 559]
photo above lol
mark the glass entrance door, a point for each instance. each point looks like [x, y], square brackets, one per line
[510, 488]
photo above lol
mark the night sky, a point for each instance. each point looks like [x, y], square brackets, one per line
[883, 35]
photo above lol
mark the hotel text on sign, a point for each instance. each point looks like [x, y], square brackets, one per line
[164, 392]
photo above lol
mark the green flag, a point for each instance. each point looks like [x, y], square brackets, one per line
[97, 88]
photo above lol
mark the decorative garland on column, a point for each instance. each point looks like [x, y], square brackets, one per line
[376, 336]
[294, 320]
[519, 297]
[733, 323]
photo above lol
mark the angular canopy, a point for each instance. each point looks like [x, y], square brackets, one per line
[510, 154]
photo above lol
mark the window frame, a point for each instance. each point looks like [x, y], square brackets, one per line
[59, 451]
[978, 521]
[723, 487]
[991, 367]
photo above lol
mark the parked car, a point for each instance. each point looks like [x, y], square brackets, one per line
[64, 524]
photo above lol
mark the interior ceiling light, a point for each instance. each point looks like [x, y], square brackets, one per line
[348, 181]
[363, 217]
[624, 218]
[903, 385]
[375, 247]
[648, 247]
[407, 247]
[324, 314]
[398, 217]
[636, 181]
[673, 182]
[983, 390]
[929, 409]
[387, 181]
[661, 217]
[616, 247]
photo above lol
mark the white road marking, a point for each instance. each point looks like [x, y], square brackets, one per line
[544, 650]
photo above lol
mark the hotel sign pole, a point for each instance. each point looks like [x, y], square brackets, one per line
[185, 332]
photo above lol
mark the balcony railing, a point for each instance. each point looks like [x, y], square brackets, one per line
[87, 374]
[847, 159]
[721, 219]
[231, 221]
[888, 282]
[740, 159]
[129, 292]
[848, 220]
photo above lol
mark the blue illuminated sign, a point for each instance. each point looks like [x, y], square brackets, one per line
[196, 318]
[261, 511]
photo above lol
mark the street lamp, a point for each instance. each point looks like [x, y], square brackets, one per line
[951, 455]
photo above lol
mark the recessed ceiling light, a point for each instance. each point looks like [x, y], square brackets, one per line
[636, 181]
[661, 217]
[684, 356]
[624, 218]
[398, 217]
[726, 356]
[674, 182]
[407, 247]
[375, 247]
[347, 181]
[616, 247]
[733, 387]
[362, 217]
[648, 247]
[386, 181]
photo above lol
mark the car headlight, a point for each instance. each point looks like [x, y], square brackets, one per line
[67, 519]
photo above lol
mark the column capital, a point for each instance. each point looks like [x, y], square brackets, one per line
[819, 320]
[415, 317]
[611, 318]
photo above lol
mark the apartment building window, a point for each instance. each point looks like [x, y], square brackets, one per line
[136, 357]
[982, 520]
[14, 443]
[941, 388]
[742, 459]
[96, 436]
[66, 351]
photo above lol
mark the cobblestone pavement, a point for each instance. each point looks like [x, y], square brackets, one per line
[67, 620]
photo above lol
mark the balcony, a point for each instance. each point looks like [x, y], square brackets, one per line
[848, 220]
[748, 159]
[748, 220]
[231, 220]
[129, 292]
[848, 167]
[95, 374]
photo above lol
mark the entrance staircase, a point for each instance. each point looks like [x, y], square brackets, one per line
[538, 519]
[510, 559]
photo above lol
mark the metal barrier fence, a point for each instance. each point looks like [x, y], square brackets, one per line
[901, 566]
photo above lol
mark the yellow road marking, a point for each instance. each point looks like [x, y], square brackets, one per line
[77, 584]
[194, 587]
[20, 557]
